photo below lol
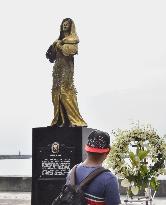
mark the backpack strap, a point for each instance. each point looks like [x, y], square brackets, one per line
[73, 175]
[92, 176]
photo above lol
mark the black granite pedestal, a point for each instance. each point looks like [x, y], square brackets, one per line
[54, 152]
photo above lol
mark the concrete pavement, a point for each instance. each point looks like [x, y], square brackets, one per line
[15, 198]
[24, 198]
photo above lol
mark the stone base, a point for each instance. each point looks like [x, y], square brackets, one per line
[54, 152]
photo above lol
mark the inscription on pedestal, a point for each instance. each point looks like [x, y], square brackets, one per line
[55, 165]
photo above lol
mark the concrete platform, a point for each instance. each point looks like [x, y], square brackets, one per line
[15, 198]
[24, 198]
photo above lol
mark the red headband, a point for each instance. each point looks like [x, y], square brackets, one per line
[96, 150]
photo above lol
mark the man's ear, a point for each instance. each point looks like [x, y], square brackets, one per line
[108, 151]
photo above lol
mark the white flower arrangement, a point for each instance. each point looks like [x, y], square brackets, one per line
[146, 155]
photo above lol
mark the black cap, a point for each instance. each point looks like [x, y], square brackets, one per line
[98, 141]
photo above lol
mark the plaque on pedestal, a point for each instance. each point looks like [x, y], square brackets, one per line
[54, 152]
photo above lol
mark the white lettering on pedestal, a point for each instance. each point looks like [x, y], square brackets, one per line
[53, 167]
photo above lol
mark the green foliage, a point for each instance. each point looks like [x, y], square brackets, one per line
[154, 184]
[143, 170]
[132, 159]
[142, 154]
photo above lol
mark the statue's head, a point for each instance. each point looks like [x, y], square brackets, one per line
[68, 26]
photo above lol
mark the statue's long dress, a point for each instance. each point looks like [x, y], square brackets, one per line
[63, 91]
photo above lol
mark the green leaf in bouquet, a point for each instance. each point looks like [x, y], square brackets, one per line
[142, 154]
[143, 170]
[133, 159]
[154, 184]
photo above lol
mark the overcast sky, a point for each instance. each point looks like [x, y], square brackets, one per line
[120, 72]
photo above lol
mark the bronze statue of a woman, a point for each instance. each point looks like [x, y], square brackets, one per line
[62, 51]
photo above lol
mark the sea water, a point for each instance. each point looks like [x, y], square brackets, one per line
[16, 167]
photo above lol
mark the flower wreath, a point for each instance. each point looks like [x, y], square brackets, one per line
[143, 166]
